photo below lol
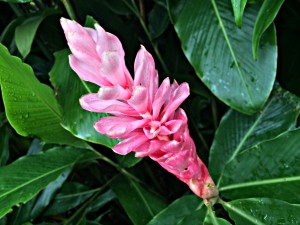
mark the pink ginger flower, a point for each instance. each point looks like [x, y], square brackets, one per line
[145, 116]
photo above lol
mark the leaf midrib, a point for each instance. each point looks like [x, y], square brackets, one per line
[243, 214]
[37, 178]
[248, 133]
[231, 50]
[260, 182]
[142, 197]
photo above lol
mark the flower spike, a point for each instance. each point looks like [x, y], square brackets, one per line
[144, 115]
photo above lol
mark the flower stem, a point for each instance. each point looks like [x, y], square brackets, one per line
[212, 216]
[139, 14]
[122, 170]
[69, 9]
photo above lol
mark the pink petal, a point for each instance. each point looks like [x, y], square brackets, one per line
[88, 72]
[118, 126]
[130, 144]
[160, 97]
[92, 32]
[91, 102]
[110, 50]
[139, 100]
[108, 42]
[179, 95]
[114, 93]
[145, 73]
[78, 37]
[149, 148]
[170, 127]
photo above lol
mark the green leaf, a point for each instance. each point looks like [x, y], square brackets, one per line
[24, 178]
[135, 199]
[101, 201]
[211, 219]
[238, 132]
[129, 160]
[262, 211]
[25, 33]
[180, 209]
[7, 35]
[269, 169]
[238, 7]
[158, 20]
[265, 18]
[47, 194]
[69, 89]
[221, 54]
[70, 196]
[30, 106]
[118, 7]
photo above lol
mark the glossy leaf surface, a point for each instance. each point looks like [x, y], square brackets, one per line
[265, 18]
[238, 132]
[220, 52]
[17, 186]
[182, 208]
[238, 7]
[272, 170]
[25, 33]
[262, 211]
[30, 105]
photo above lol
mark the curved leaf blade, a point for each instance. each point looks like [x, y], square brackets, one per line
[180, 209]
[265, 18]
[262, 211]
[221, 54]
[136, 199]
[238, 7]
[269, 169]
[30, 106]
[24, 178]
[25, 33]
[238, 132]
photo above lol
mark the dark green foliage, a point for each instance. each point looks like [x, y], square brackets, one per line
[56, 169]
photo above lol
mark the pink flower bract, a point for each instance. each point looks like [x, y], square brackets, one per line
[144, 115]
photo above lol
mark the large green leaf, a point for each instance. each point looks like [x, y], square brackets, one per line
[238, 7]
[265, 18]
[25, 33]
[238, 132]
[262, 211]
[220, 52]
[70, 196]
[180, 209]
[24, 178]
[69, 89]
[48, 194]
[136, 199]
[30, 106]
[269, 169]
